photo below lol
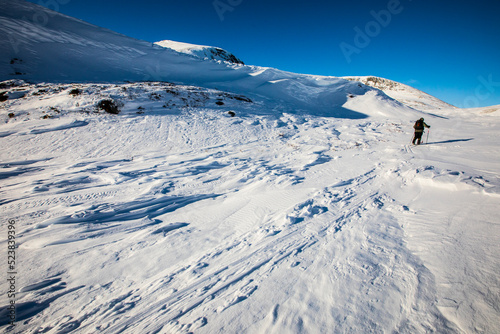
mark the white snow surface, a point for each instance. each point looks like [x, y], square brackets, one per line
[201, 51]
[173, 217]
[307, 212]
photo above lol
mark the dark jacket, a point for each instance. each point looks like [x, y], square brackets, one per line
[420, 125]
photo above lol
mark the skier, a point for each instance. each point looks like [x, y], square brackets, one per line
[419, 130]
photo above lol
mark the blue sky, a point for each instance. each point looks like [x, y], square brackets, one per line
[449, 49]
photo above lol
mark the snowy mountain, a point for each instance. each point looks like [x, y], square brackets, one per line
[63, 49]
[232, 198]
[201, 51]
[405, 94]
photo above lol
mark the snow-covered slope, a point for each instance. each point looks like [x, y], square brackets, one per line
[63, 49]
[405, 94]
[201, 51]
[493, 111]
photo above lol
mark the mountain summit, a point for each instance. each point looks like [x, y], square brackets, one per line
[201, 51]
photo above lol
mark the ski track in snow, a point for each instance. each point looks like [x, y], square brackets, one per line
[192, 221]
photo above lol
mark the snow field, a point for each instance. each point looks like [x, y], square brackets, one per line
[183, 219]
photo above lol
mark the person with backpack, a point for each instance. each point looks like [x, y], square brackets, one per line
[419, 130]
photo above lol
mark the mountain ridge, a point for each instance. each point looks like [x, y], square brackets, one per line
[201, 51]
[405, 94]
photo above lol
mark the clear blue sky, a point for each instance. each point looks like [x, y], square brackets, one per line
[450, 49]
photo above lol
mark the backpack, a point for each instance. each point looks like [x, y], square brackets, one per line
[419, 125]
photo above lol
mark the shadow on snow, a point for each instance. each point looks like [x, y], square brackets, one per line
[450, 141]
[150, 208]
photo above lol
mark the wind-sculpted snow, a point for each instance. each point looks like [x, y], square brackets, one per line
[174, 217]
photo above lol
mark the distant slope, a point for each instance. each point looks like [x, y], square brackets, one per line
[201, 51]
[405, 94]
[489, 111]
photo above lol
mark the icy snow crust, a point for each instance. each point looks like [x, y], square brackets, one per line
[307, 212]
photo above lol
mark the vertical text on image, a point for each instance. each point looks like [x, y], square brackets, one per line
[11, 271]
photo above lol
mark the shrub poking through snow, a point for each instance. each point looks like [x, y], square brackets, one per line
[241, 98]
[16, 61]
[75, 92]
[3, 97]
[155, 96]
[108, 106]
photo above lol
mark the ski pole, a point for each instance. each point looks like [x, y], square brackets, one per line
[428, 131]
